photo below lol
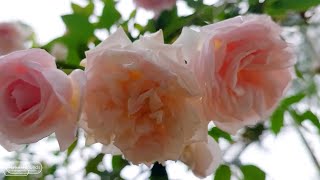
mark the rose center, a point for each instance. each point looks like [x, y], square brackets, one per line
[5, 32]
[24, 95]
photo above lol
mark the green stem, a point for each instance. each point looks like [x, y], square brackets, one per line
[236, 160]
[304, 141]
[63, 65]
[314, 159]
[309, 43]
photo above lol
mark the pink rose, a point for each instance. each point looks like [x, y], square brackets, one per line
[12, 38]
[37, 99]
[243, 65]
[202, 157]
[141, 99]
[155, 5]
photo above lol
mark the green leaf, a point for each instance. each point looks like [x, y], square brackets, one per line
[312, 117]
[72, 147]
[251, 172]
[93, 163]
[75, 48]
[138, 27]
[253, 2]
[52, 169]
[308, 115]
[279, 7]
[76, 8]
[172, 24]
[207, 14]
[79, 29]
[194, 3]
[86, 11]
[133, 14]
[167, 19]
[292, 99]
[150, 27]
[73, 57]
[230, 10]
[255, 6]
[118, 163]
[277, 117]
[223, 173]
[217, 133]
[298, 72]
[110, 15]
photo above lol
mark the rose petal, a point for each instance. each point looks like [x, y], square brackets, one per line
[66, 134]
[111, 149]
[203, 158]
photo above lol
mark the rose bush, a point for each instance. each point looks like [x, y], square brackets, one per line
[37, 99]
[244, 68]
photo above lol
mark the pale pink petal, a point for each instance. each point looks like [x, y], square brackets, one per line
[115, 40]
[66, 133]
[202, 157]
[111, 149]
[156, 37]
[60, 84]
[155, 5]
[31, 55]
[191, 41]
[6, 144]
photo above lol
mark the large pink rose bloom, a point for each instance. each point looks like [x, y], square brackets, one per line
[243, 65]
[37, 99]
[141, 99]
[12, 38]
[155, 5]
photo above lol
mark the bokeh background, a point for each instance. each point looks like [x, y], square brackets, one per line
[286, 146]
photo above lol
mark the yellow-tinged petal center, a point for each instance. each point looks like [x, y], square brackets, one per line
[217, 44]
[135, 75]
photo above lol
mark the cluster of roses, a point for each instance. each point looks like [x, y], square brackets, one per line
[148, 100]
